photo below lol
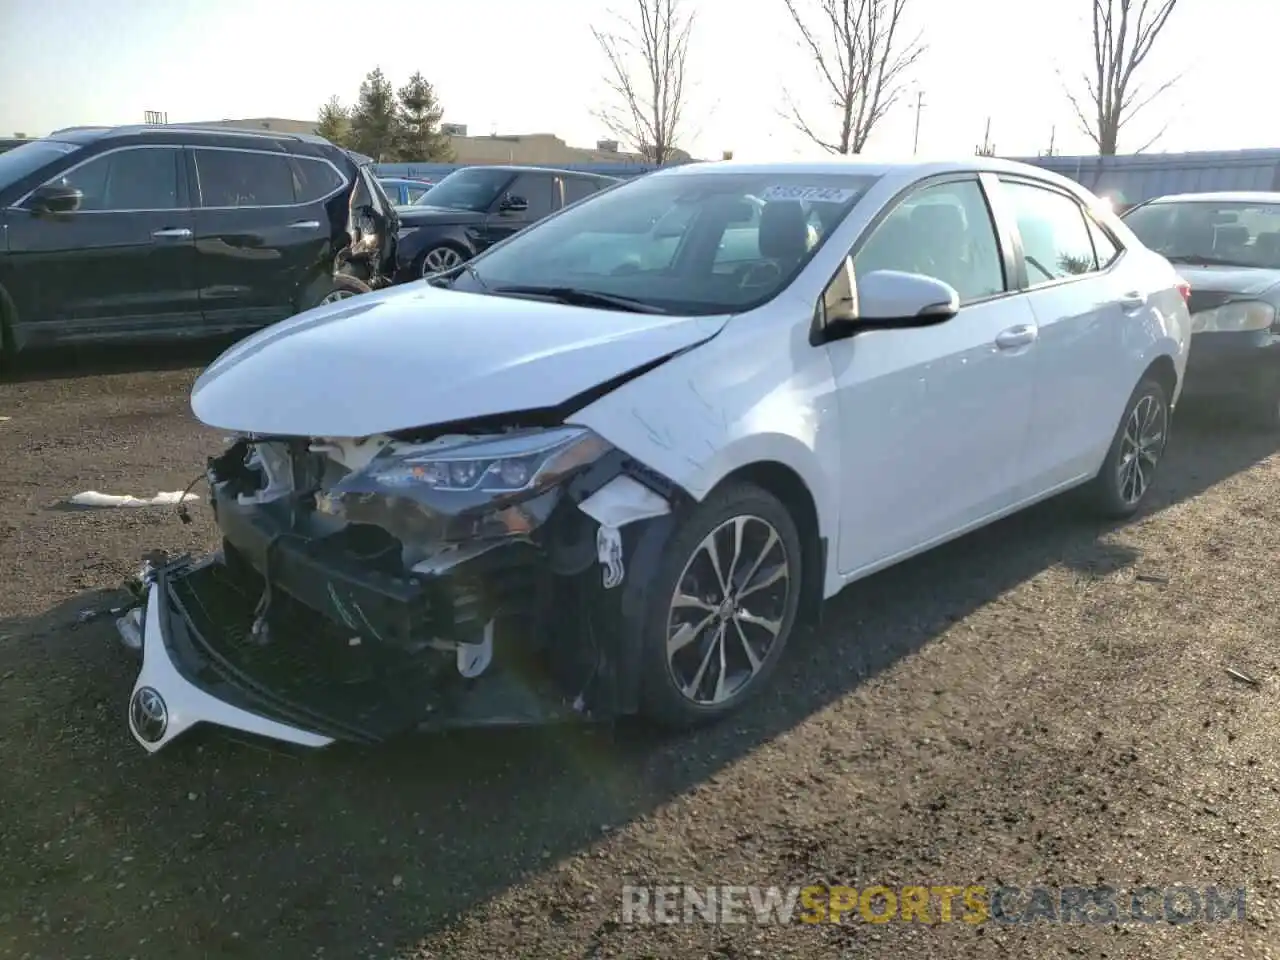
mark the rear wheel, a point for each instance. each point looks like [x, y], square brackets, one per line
[722, 607]
[343, 287]
[1139, 443]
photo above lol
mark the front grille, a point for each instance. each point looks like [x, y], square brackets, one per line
[308, 673]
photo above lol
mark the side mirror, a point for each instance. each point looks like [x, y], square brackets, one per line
[885, 299]
[512, 204]
[56, 198]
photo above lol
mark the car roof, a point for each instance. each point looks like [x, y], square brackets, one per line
[1222, 196]
[905, 170]
[174, 132]
[531, 169]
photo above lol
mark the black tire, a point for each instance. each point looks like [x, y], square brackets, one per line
[684, 559]
[1110, 492]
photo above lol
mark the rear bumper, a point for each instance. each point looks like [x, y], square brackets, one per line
[1233, 365]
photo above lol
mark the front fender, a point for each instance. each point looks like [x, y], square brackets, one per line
[755, 393]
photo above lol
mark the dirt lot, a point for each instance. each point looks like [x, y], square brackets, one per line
[1046, 701]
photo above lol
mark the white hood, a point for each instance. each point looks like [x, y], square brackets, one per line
[418, 355]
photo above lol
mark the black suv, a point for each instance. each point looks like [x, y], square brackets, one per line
[475, 207]
[170, 231]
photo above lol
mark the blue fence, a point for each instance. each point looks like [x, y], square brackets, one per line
[1132, 179]
[1140, 177]
[434, 171]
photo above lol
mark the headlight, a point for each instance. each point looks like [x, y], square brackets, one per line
[1239, 317]
[502, 465]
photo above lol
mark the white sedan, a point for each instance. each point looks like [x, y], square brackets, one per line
[605, 467]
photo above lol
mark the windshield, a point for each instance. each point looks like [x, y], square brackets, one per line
[696, 244]
[474, 188]
[1203, 231]
[30, 157]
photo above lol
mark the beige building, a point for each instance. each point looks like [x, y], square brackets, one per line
[535, 148]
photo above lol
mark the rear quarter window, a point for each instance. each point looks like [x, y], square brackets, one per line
[314, 179]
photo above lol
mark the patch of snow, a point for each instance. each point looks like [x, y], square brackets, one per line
[92, 498]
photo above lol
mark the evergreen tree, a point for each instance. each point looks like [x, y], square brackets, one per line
[335, 122]
[420, 114]
[375, 127]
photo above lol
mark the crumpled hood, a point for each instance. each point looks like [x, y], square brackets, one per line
[414, 215]
[418, 355]
[1237, 281]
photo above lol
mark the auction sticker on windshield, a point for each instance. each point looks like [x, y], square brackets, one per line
[810, 194]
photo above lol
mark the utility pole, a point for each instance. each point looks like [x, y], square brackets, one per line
[988, 149]
[915, 145]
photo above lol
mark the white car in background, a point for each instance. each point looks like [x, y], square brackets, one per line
[554, 483]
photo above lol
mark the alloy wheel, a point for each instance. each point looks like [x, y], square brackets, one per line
[1140, 447]
[728, 609]
[439, 260]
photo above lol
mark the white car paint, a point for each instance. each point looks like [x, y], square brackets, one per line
[904, 438]
[416, 355]
[908, 438]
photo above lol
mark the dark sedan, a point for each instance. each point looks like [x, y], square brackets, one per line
[475, 207]
[1227, 246]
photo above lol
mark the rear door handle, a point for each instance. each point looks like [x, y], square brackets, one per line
[305, 225]
[180, 233]
[1018, 336]
[1133, 301]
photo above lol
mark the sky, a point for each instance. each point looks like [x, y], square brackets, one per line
[516, 66]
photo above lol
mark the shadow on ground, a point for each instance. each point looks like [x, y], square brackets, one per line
[235, 852]
[65, 363]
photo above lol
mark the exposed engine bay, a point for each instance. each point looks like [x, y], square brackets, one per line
[370, 587]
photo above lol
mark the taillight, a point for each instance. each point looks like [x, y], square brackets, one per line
[1184, 288]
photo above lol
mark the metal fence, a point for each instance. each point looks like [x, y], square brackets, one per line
[1132, 179]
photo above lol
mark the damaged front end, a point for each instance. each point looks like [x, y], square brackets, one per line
[371, 587]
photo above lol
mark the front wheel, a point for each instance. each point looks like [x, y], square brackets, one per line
[439, 259]
[1127, 473]
[722, 608]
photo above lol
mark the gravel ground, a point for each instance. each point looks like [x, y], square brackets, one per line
[1043, 702]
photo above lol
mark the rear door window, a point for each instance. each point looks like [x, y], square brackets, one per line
[243, 178]
[314, 180]
[578, 188]
[1055, 238]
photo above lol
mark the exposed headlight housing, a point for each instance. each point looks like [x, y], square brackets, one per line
[496, 466]
[1241, 317]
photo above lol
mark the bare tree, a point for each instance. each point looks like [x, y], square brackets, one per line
[860, 55]
[1124, 31]
[646, 58]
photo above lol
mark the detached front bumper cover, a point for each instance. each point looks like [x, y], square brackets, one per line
[165, 703]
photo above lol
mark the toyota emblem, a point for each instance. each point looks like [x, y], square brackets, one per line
[148, 714]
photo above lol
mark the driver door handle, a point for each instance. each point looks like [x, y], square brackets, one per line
[180, 233]
[305, 225]
[1019, 336]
